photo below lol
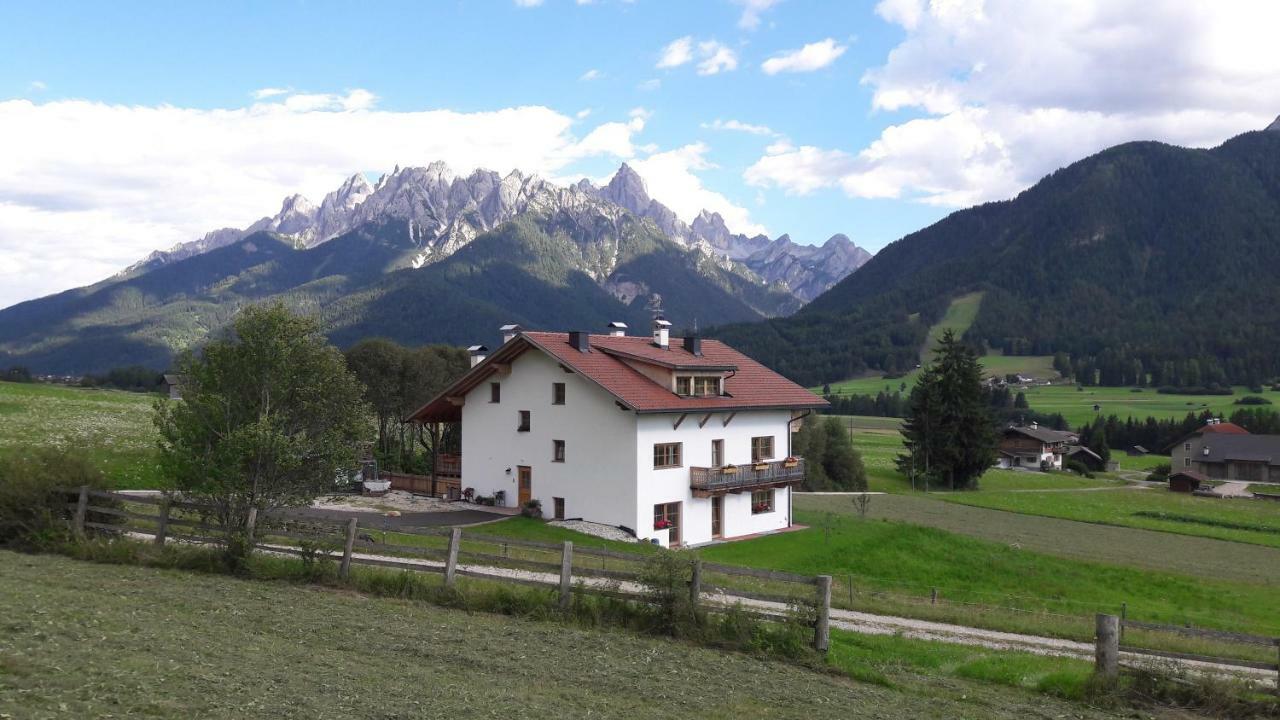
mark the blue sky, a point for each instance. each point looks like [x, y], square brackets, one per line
[138, 125]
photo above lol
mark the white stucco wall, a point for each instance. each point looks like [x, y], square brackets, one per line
[597, 479]
[672, 484]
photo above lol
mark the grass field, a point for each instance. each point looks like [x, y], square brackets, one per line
[910, 559]
[168, 644]
[113, 427]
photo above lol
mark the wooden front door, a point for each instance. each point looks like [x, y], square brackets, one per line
[717, 516]
[525, 474]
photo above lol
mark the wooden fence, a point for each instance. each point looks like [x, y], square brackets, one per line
[449, 552]
[1109, 640]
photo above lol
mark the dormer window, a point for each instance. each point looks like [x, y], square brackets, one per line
[697, 385]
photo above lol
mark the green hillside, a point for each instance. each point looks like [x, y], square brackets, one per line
[1142, 256]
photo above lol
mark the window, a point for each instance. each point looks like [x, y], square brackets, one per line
[557, 393]
[495, 392]
[697, 385]
[761, 448]
[524, 421]
[1186, 447]
[558, 504]
[557, 451]
[1186, 462]
[761, 502]
[666, 455]
[717, 453]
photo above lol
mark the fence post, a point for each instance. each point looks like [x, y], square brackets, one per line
[851, 591]
[162, 531]
[566, 575]
[82, 510]
[344, 570]
[250, 525]
[822, 631]
[1124, 614]
[1107, 652]
[451, 563]
[933, 596]
[695, 583]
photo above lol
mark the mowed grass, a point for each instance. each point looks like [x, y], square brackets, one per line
[85, 640]
[112, 427]
[911, 560]
[1113, 545]
[1151, 509]
[959, 316]
[1077, 405]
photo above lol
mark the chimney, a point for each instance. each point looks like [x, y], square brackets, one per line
[661, 332]
[509, 332]
[478, 354]
[617, 329]
[693, 344]
[1035, 425]
[580, 341]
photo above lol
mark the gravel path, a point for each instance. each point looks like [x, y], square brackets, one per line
[608, 532]
[1233, 489]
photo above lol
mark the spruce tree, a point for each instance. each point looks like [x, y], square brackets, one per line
[949, 433]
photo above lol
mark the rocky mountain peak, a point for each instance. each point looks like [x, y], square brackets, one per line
[1275, 125]
[627, 189]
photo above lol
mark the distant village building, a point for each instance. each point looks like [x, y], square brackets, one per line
[1225, 451]
[1186, 481]
[680, 441]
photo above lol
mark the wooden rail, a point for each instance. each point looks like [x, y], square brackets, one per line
[1110, 631]
[340, 539]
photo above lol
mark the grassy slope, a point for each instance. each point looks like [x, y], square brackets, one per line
[168, 644]
[112, 426]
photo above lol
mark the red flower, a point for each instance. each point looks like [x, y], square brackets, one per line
[661, 524]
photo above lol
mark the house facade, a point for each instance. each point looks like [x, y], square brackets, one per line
[1224, 451]
[679, 440]
[1034, 448]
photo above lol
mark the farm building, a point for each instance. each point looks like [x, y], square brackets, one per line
[171, 385]
[1034, 447]
[1186, 481]
[680, 441]
[1086, 457]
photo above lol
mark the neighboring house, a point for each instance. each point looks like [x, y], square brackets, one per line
[1137, 451]
[679, 440]
[1223, 451]
[1034, 447]
[172, 385]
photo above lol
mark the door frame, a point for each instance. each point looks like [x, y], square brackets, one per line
[524, 491]
[717, 516]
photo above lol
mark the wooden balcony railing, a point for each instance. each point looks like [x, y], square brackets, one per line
[449, 465]
[742, 478]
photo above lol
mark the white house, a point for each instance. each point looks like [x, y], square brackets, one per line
[682, 440]
[1034, 447]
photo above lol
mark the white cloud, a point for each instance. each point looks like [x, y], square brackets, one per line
[738, 126]
[1009, 91]
[37, 86]
[671, 179]
[676, 53]
[582, 114]
[649, 85]
[716, 58]
[813, 56]
[751, 11]
[528, 3]
[592, 74]
[269, 92]
[713, 56]
[88, 188]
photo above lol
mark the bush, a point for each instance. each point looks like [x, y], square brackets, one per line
[1253, 400]
[665, 577]
[1079, 468]
[1160, 473]
[33, 508]
[532, 509]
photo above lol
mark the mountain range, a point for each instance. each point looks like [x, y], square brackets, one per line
[426, 255]
[1143, 263]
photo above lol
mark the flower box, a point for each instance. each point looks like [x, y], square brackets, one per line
[729, 469]
[761, 466]
[791, 462]
[661, 524]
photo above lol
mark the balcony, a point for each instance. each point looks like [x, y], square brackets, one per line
[706, 482]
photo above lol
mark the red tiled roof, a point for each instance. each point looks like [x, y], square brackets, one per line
[1225, 428]
[749, 386]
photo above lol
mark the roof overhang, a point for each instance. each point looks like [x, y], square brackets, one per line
[669, 364]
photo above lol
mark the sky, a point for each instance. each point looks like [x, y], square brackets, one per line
[128, 127]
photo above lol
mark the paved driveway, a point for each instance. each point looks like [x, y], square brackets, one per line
[377, 520]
